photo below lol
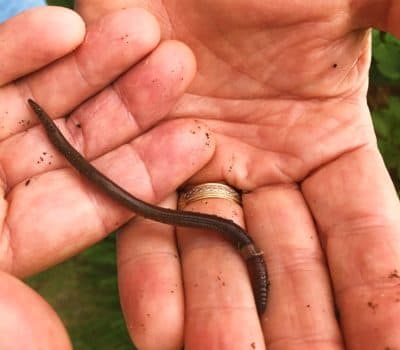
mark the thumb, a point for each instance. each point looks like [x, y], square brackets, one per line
[26, 320]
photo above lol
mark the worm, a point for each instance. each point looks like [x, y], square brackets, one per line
[254, 259]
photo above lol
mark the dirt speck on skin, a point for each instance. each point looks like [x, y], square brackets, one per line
[394, 274]
[124, 38]
[208, 142]
[27, 182]
[78, 125]
[231, 163]
[373, 306]
[220, 279]
[24, 122]
[45, 157]
[335, 65]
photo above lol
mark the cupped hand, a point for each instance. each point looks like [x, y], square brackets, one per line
[116, 81]
[283, 88]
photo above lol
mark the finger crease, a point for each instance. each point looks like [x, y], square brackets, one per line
[147, 256]
[82, 74]
[147, 169]
[120, 95]
[377, 286]
[309, 340]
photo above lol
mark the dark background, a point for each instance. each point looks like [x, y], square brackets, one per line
[83, 290]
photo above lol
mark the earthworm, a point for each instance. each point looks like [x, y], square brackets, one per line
[233, 232]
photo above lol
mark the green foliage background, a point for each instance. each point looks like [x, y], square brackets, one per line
[84, 290]
[384, 99]
[66, 3]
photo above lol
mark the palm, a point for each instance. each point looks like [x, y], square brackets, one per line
[248, 51]
[283, 89]
[300, 118]
[286, 86]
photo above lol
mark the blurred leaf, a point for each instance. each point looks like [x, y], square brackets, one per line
[389, 153]
[387, 55]
[387, 125]
[65, 3]
[382, 127]
[398, 171]
[84, 292]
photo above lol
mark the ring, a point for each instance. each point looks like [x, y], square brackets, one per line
[208, 190]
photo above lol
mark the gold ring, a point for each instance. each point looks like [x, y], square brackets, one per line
[208, 190]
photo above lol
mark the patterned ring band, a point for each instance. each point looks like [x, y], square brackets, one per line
[208, 190]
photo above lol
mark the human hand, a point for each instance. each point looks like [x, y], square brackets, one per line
[115, 77]
[283, 88]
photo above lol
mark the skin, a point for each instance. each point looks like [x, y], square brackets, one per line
[48, 213]
[296, 133]
[282, 86]
[227, 228]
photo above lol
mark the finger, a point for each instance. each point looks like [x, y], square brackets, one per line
[113, 117]
[357, 211]
[39, 30]
[300, 295]
[70, 215]
[220, 308]
[150, 283]
[111, 46]
[26, 320]
[383, 16]
[92, 10]
[234, 162]
[279, 159]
